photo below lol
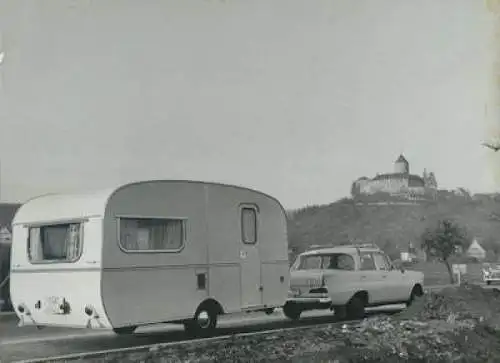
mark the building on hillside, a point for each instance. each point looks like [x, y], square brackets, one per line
[398, 183]
[475, 250]
[413, 253]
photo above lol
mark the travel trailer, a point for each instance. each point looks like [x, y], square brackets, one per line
[160, 251]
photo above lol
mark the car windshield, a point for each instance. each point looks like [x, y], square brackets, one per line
[331, 261]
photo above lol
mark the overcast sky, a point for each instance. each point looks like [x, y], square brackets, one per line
[295, 98]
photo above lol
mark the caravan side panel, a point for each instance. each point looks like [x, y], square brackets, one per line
[141, 287]
[262, 266]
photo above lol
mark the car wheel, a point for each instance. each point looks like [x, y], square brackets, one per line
[291, 311]
[488, 282]
[204, 322]
[415, 292]
[356, 308]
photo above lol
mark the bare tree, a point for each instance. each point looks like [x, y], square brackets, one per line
[443, 241]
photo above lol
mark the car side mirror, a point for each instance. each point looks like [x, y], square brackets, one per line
[402, 270]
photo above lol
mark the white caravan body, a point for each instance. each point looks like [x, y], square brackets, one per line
[147, 252]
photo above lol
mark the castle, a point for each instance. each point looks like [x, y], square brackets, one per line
[399, 183]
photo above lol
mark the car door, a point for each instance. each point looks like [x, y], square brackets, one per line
[391, 283]
[370, 278]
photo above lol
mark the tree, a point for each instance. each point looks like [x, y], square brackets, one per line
[443, 241]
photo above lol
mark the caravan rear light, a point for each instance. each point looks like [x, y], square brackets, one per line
[23, 309]
[88, 310]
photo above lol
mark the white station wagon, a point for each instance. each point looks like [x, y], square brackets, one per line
[347, 279]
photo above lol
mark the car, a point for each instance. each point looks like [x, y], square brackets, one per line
[491, 272]
[346, 279]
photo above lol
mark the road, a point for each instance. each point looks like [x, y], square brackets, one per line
[28, 342]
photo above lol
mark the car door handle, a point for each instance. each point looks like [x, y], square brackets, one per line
[384, 276]
[363, 276]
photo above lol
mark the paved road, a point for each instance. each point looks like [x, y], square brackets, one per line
[29, 342]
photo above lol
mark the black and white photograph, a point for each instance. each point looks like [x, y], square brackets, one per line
[195, 181]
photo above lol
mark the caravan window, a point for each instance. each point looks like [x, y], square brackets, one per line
[249, 225]
[55, 243]
[151, 234]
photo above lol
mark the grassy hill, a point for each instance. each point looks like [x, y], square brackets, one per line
[392, 223]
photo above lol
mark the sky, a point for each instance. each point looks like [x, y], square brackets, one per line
[294, 98]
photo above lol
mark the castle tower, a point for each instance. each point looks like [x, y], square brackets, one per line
[401, 165]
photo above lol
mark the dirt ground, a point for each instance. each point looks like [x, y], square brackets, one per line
[459, 324]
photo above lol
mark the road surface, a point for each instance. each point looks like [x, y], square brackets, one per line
[29, 342]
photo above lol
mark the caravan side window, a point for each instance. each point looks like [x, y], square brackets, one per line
[151, 234]
[249, 225]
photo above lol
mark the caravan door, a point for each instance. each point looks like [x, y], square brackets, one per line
[251, 285]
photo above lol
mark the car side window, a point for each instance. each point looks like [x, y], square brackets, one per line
[367, 263]
[339, 262]
[381, 262]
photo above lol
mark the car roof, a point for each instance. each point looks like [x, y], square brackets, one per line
[347, 249]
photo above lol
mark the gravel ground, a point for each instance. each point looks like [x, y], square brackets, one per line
[457, 324]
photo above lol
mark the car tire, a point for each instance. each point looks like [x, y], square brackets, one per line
[415, 292]
[488, 282]
[292, 311]
[356, 308]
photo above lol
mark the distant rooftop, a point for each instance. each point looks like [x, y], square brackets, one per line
[401, 159]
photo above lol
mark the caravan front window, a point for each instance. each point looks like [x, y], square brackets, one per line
[55, 243]
[151, 234]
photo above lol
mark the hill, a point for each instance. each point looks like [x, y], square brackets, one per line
[392, 223]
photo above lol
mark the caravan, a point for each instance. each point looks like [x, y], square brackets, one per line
[148, 252]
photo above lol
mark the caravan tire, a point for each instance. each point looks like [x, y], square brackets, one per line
[204, 322]
[126, 330]
[292, 311]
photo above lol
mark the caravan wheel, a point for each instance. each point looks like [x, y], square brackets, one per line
[203, 323]
[126, 330]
